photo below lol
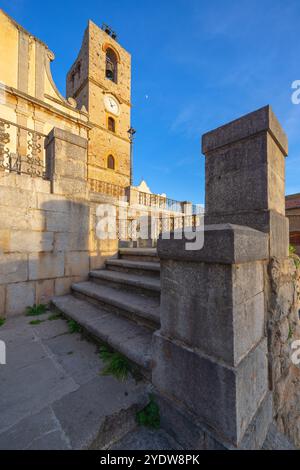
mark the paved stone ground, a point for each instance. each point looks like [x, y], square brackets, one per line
[52, 393]
[146, 439]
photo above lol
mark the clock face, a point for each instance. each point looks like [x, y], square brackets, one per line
[111, 105]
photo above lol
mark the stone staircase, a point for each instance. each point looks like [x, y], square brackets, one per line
[119, 305]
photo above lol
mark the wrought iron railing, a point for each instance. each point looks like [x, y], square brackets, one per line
[160, 202]
[109, 189]
[21, 150]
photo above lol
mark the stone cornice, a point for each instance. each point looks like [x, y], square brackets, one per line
[82, 119]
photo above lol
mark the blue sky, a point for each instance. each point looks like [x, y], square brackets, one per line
[196, 64]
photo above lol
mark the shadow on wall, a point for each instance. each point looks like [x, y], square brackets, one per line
[46, 244]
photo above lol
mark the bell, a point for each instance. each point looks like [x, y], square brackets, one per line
[110, 70]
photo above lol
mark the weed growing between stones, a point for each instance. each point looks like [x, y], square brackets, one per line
[36, 322]
[2, 321]
[293, 254]
[115, 364]
[74, 327]
[54, 316]
[149, 416]
[36, 310]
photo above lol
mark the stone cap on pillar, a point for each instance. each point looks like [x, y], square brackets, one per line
[223, 243]
[253, 123]
[67, 136]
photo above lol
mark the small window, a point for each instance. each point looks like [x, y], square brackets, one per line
[111, 65]
[111, 124]
[110, 162]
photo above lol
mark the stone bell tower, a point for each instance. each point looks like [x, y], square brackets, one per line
[100, 80]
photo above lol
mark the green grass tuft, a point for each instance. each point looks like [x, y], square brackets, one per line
[292, 250]
[2, 321]
[36, 322]
[149, 416]
[115, 364]
[36, 310]
[74, 327]
[54, 316]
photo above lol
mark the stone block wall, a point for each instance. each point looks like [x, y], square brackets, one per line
[48, 228]
[283, 326]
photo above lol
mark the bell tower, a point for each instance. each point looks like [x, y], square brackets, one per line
[100, 80]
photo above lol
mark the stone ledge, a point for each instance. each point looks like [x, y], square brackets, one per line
[223, 243]
[67, 137]
[253, 123]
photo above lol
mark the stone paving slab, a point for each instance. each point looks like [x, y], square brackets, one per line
[146, 439]
[52, 393]
[30, 432]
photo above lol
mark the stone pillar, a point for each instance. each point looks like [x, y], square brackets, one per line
[210, 357]
[66, 163]
[245, 176]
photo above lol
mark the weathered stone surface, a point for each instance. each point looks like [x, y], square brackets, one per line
[71, 241]
[4, 241]
[44, 291]
[69, 187]
[259, 426]
[79, 358]
[45, 365]
[2, 300]
[77, 263]
[225, 244]
[95, 414]
[67, 137]
[275, 440]
[57, 222]
[20, 219]
[52, 202]
[13, 268]
[18, 296]
[180, 424]
[146, 439]
[63, 285]
[217, 394]
[18, 401]
[35, 432]
[266, 221]
[30, 242]
[130, 339]
[224, 322]
[283, 306]
[46, 265]
[20, 199]
[253, 123]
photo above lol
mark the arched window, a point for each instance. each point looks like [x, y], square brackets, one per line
[111, 124]
[110, 162]
[111, 71]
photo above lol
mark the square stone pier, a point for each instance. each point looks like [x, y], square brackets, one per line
[210, 357]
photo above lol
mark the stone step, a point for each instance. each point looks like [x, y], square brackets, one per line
[141, 308]
[139, 254]
[135, 267]
[133, 282]
[125, 336]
